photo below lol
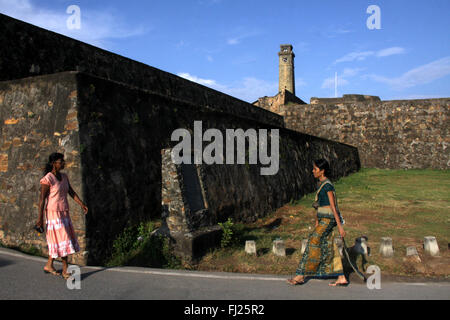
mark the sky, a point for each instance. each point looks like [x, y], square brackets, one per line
[394, 49]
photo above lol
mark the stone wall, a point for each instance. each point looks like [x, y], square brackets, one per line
[388, 134]
[27, 50]
[273, 104]
[112, 136]
[37, 117]
[113, 118]
[346, 98]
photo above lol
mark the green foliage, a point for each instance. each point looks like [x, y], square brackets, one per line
[30, 249]
[136, 246]
[135, 118]
[294, 202]
[227, 235]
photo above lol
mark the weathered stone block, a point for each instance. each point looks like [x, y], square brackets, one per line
[4, 162]
[430, 246]
[278, 248]
[412, 255]
[386, 248]
[411, 251]
[250, 247]
[191, 246]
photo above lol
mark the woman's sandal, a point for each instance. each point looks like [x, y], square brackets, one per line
[338, 284]
[295, 282]
[66, 275]
[53, 272]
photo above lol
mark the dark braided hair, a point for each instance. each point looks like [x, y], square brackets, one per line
[52, 158]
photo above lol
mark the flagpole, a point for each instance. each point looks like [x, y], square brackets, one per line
[335, 84]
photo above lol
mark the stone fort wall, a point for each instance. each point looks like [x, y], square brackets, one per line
[114, 138]
[388, 134]
[113, 117]
[27, 51]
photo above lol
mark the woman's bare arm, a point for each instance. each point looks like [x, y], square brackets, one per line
[335, 213]
[45, 189]
[77, 199]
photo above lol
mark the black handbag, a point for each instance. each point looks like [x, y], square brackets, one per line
[39, 229]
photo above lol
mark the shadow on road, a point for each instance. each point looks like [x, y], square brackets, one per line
[5, 262]
[85, 275]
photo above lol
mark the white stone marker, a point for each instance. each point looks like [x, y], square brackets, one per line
[278, 248]
[413, 254]
[250, 247]
[411, 251]
[430, 246]
[386, 249]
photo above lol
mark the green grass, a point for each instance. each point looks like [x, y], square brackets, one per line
[406, 205]
[136, 247]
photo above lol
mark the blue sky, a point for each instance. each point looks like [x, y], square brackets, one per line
[232, 45]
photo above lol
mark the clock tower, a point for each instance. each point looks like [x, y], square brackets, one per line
[286, 69]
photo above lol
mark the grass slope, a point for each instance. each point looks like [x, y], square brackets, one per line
[406, 205]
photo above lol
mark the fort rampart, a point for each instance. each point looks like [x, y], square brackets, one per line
[113, 118]
[406, 134]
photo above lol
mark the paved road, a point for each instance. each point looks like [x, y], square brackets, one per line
[21, 277]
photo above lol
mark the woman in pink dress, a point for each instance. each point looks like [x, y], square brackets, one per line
[61, 238]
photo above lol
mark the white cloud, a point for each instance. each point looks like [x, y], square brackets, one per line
[342, 78]
[233, 41]
[328, 83]
[352, 56]
[205, 82]
[359, 56]
[390, 51]
[417, 76]
[248, 89]
[350, 72]
[96, 26]
[238, 39]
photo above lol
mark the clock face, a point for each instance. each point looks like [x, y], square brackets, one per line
[285, 59]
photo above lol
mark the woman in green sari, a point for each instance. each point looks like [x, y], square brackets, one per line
[321, 257]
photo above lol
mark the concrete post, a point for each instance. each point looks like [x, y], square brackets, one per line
[386, 249]
[278, 248]
[250, 247]
[430, 246]
[412, 253]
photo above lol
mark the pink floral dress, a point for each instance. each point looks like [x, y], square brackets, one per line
[61, 238]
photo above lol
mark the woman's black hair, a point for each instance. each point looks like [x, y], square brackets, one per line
[323, 164]
[52, 158]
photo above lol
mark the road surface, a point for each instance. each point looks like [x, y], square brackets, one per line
[21, 277]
